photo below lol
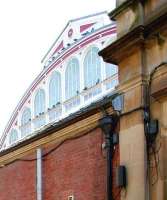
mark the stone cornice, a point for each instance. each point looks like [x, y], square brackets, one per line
[121, 8]
[155, 20]
[122, 47]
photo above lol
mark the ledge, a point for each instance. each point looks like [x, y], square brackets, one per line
[121, 8]
[124, 45]
[85, 119]
[155, 19]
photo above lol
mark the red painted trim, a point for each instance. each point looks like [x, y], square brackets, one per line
[36, 83]
[60, 46]
[76, 47]
[86, 26]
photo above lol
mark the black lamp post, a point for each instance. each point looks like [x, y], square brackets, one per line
[108, 124]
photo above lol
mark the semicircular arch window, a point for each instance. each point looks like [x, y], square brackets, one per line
[39, 108]
[55, 89]
[92, 68]
[25, 122]
[72, 79]
[13, 136]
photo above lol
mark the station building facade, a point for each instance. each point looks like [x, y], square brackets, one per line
[73, 77]
[62, 150]
[52, 146]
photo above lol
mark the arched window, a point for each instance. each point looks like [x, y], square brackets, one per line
[55, 89]
[39, 103]
[13, 136]
[25, 122]
[39, 108]
[111, 70]
[26, 117]
[72, 79]
[92, 68]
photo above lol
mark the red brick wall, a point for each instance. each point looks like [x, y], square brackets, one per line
[77, 167]
[18, 181]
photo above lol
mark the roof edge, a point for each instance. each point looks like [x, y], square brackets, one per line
[70, 21]
[75, 117]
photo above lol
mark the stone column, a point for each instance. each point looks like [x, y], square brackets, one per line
[128, 52]
[140, 53]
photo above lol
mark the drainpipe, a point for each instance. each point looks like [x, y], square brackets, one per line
[108, 124]
[109, 144]
[39, 174]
